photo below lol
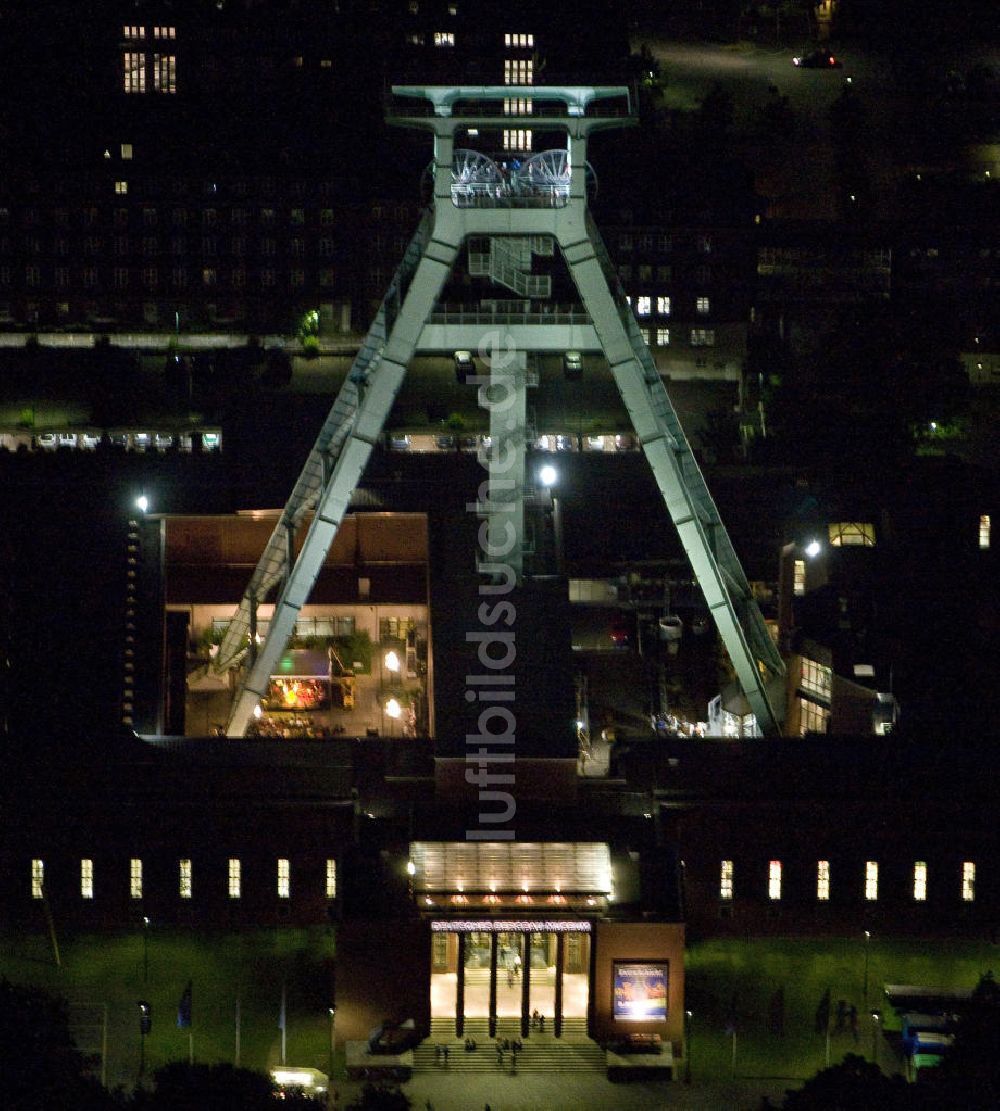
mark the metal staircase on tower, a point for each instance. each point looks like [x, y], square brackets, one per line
[505, 219]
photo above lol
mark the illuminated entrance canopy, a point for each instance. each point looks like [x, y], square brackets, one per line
[505, 925]
[512, 868]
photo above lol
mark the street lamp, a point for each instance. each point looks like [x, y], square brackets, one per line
[876, 1019]
[548, 475]
[145, 1025]
[687, 1047]
[813, 549]
[142, 503]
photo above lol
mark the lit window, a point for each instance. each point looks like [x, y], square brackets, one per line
[643, 306]
[284, 879]
[871, 880]
[702, 337]
[662, 337]
[726, 880]
[920, 881]
[133, 72]
[852, 534]
[647, 335]
[165, 73]
[209, 275]
[121, 188]
[331, 879]
[523, 41]
[518, 71]
[235, 878]
[517, 140]
[774, 879]
[37, 879]
[444, 38]
[184, 878]
[135, 878]
[133, 32]
[518, 106]
[164, 32]
[663, 306]
[984, 531]
[701, 306]
[799, 578]
[823, 880]
[86, 879]
[968, 881]
[816, 678]
[813, 718]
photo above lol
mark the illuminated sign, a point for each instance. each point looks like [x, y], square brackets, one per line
[640, 991]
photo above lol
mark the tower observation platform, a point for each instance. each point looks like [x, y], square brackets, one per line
[505, 215]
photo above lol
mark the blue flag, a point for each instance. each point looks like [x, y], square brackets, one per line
[184, 1008]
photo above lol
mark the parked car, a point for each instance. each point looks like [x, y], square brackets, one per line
[464, 366]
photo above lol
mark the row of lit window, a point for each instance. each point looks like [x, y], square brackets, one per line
[132, 32]
[162, 66]
[517, 139]
[185, 888]
[644, 305]
[660, 337]
[518, 71]
[522, 41]
[774, 874]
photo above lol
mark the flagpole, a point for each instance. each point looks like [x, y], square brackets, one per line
[734, 1053]
[190, 1045]
[237, 1060]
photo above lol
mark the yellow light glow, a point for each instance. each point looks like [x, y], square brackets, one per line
[392, 661]
[393, 708]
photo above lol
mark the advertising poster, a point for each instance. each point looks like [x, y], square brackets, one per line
[640, 991]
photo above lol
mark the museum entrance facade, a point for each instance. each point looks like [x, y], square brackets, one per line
[538, 971]
[512, 927]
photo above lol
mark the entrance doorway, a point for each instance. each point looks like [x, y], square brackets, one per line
[492, 971]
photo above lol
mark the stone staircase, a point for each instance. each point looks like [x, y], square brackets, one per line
[573, 1052]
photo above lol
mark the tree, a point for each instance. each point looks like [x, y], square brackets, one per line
[969, 1076]
[39, 1061]
[853, 1084]
[183, 1087]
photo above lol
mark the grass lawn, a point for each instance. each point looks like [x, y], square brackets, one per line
[108, 970]
[251, 965]
[756, 970]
